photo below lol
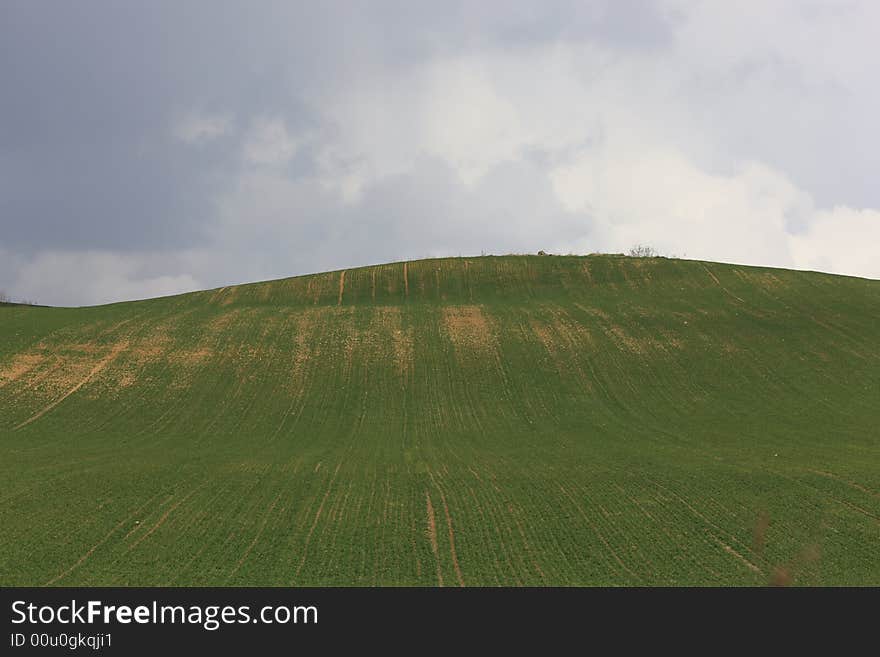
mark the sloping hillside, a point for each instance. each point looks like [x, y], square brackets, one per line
[478, 421]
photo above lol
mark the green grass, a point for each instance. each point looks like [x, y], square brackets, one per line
[510, 420]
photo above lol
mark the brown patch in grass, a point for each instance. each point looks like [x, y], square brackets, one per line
[79, 348]
[595, 312]
[21, 364]
[151, 348]
[115, 350]
[671, 341]
[216, 296]
[391, 280]
[351, 337]
[781, 576]
[585, 268]
[403, 351]
[54, 370]
[574, 334]
[626, 341]
[158, 346]
[262, 292]
[341, 287]
[784, 574]
[229, 296]
[763, 279]
[303, 348]
[389, 321]
[544, 334]
[641, 346]
[771, 281]
[664, 342]
[468, 328]
[221, 322]
[192, 356]
[564, 340]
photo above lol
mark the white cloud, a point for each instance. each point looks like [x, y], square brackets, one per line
[95, 277]
[842, 240]
[268, 143]
[755, 215]
[474, 111]
[657, 196]
[196, 127]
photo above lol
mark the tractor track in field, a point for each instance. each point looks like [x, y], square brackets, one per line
[610, 549]
[259, 533]
[452, 552]
[305, 552]
[748, 564]
[846, 482]
[163, 518]
[101, 542]
[432, 535]
[718, 283]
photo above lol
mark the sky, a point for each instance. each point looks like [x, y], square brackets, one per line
[152, 148]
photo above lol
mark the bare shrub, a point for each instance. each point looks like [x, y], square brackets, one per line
[642, 251]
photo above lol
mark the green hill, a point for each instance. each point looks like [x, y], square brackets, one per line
[481, 421]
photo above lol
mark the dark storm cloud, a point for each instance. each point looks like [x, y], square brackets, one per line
[90, 90]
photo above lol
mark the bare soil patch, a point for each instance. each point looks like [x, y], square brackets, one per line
[468, 328]
[389, 323]
[20, 365]
[92, 373]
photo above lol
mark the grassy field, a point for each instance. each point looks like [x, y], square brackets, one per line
[516, 420]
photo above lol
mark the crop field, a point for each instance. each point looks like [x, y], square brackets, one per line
[516, 420]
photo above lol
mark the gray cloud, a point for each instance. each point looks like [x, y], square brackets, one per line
[296, 226]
